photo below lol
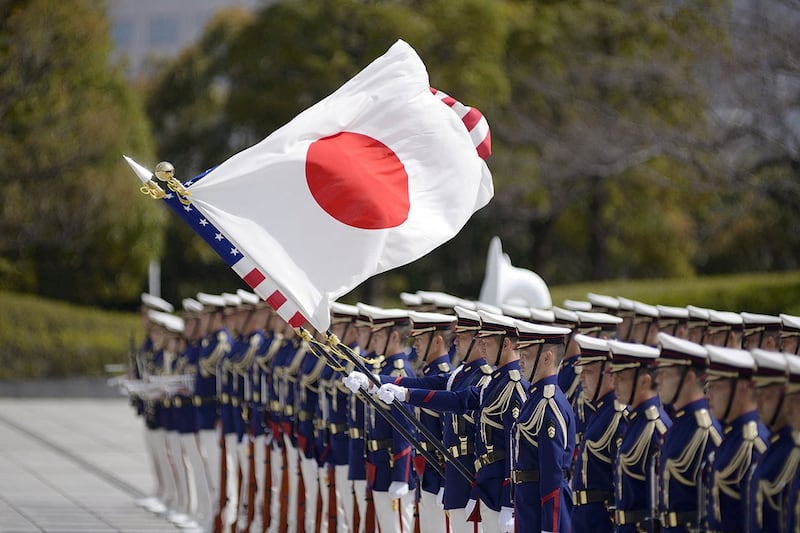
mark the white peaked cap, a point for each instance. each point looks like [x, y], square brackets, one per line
[157, 303]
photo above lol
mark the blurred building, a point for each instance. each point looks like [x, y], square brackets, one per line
[143, 29]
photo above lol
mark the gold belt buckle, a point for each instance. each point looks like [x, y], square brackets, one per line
[197, 401]
[177, 402]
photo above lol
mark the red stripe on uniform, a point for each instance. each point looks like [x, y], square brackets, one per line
[397, 380]
[428, 396]
[254, 278]
[449, 100]
[555, 497]
[276, 300]
[472, 117]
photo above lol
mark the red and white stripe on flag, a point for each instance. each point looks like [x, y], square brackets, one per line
[473, 120]
[373, 177]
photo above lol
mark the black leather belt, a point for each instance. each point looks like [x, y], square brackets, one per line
[489, 458]
[675, 519]
[626, 517]
[462, 448]
[338, 428]
[524, 476]
[376, 445]
[203, 400]
[585, 497]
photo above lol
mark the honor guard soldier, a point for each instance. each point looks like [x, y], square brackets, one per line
[635, 481]
[732, 401]
[592, 481]
[258, 376]
[790, 334]
[213, 348]
[230, 407]
[777, 380]
[697, 324]
[496, 405]
[201, 506]
[544, 437]
[761, 331]
[601, 326]
[146, 408]
[433, 337]
[691, 440]
[568, 380]
[645, 324]
[337, 398]
[389, 454]
[673, 320]
[724, 329]
[792, 505]
[311, 458]
[459, 428]
[288, 360]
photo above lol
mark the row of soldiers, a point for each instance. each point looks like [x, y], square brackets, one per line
[605, 414]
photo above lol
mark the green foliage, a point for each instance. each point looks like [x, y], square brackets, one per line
[772, 293]
[44, 339]
[68, 227]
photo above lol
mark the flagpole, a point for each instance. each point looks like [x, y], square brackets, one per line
[321, 351]
[347, 352]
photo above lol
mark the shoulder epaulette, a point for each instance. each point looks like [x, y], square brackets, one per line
[620, 407]
[444, 367]
[750, 433]
[651, 413]
[703, 418]
[399, 363]
[514, 375]
[549, 391]
[487, 369]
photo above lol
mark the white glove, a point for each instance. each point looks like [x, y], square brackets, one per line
[356, 381]
[440, 498]
[470, 507]
[398, 489]
[505, 521]
[390, 392]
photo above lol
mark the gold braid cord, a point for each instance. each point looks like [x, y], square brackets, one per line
[597, 447]
[729, 479]
[686, 467]
[208, 366]
[771, 491]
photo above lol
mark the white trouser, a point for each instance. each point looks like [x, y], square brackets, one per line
[459, 524]
[360, 496]
[231, 481]
[489, 520]
[344, 499]
[199, 491]
[432, 518]
[292, 464]
[181, 501]
[243, 452]
[394, 515]
[276, 471]
[208, 440]
[323, 475]
[308, 469]
[259, 460]
[167, 475]
[155, 469]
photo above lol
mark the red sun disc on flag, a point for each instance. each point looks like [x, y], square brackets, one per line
[358, 180]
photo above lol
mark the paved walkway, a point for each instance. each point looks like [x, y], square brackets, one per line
[73, 465]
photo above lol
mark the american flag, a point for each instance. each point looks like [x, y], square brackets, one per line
[239, 262]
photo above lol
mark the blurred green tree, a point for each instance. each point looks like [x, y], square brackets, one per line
[68, 226]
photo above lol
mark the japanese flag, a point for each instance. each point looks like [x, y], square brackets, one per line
[373, 177]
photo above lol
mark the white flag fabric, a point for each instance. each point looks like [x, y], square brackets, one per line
[373, 177]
